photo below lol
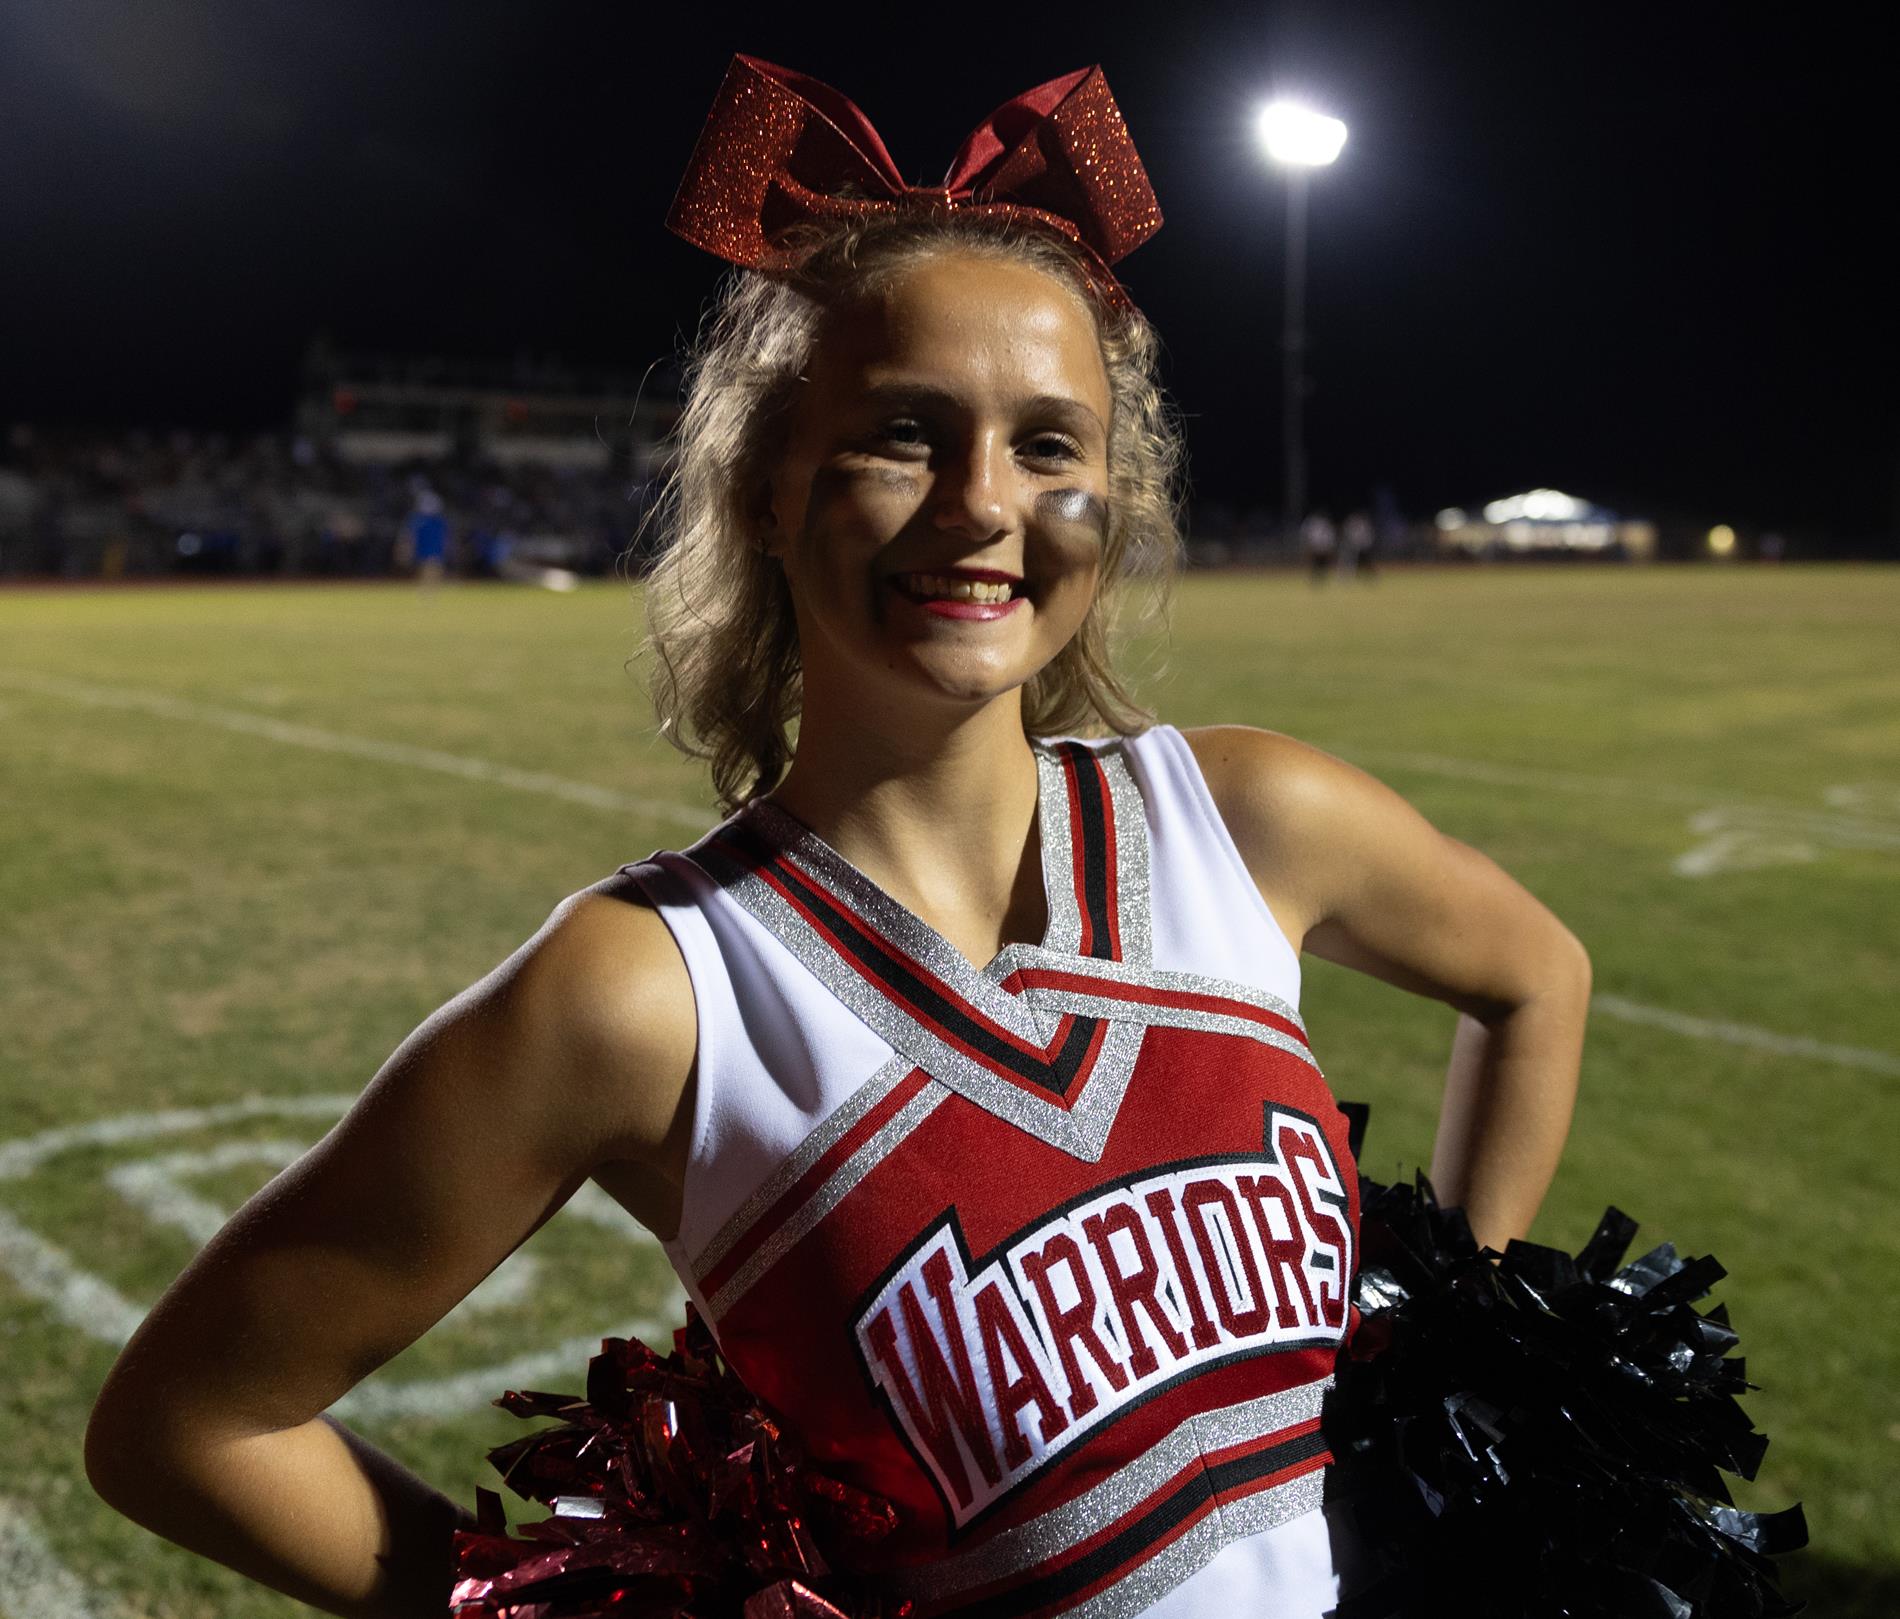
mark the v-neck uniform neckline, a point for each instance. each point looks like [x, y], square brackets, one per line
[1055, 818]
[1006, 1036]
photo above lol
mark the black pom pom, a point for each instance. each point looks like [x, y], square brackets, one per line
[1536, 1435]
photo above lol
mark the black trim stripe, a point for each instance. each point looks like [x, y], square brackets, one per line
[1126, 1547]
[1088, 793]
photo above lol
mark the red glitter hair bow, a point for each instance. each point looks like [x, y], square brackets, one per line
[781, 150]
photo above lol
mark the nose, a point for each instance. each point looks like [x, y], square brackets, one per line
[970, 492]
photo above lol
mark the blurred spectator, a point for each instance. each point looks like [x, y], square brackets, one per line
[1356, 545]
[1321, 542]
[425, 540]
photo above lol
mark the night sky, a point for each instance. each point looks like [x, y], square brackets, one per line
[1627, 251]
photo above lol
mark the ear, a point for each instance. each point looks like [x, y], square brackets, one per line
[767, 534]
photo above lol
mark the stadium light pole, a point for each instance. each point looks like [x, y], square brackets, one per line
[1298, 140]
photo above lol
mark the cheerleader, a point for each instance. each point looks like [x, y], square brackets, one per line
[960, 1069]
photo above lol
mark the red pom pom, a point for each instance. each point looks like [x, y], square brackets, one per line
[675, 1495]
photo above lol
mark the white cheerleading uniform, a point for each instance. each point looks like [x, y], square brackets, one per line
[1054, 1254]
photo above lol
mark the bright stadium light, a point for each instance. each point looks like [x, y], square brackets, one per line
[1298, 140]
[1299, 137]
[1721, 540]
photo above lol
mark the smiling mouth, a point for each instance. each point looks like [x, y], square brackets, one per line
[989, 591]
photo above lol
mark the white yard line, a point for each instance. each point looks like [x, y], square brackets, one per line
[1769, 814]
[1746, 1034]
[318, 740]
[1876, 833]
[34, 1584]
[1563, 781]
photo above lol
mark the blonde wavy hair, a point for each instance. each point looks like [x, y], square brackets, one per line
[723, 645]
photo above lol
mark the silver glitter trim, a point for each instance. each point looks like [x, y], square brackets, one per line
[1050, 1003]
[1093, 1114]
[1269, 1413]
[1117, 972]
[822, 1139]
[827, 1197]
[1227, 1524]
[1064, 930]
[824, 866]
[1134, 919]
[1148, 1582]
[1268, 1509]
[1031, 1544]
[1172, 1017]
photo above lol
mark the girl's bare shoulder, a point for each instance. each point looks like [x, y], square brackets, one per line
[1272, 791]
[1271, 787]
[603, 984]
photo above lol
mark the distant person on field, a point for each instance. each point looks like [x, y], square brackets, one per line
[1356, 545]
[426, 538]
[1321, 541]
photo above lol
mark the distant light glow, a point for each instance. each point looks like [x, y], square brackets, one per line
[1721, 540]
[1452, 517]
[1539, 505]
[1299, 137]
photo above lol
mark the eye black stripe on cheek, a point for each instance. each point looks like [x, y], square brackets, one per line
[1079, 506]
[831, 483]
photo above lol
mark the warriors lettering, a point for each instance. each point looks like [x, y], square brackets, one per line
[992, 1374]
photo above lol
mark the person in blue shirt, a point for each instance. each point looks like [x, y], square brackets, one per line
[427, 534]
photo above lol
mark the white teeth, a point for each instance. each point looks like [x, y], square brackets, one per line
[962, 590]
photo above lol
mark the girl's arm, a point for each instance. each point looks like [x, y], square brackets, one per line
[1357, 876]
[209, 1430]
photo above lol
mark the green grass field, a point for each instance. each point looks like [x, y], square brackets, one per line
[253, 835]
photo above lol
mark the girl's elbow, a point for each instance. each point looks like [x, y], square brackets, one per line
[1578, 973]
[109, 1457]
[1565, 977]
[1555, 976]
[125, 1450]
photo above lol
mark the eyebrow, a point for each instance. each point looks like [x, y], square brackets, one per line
[923, 395]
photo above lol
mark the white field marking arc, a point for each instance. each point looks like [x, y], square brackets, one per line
[155, 1187]
[1745, 1034]
[34, 1584]
[22, 1157]
[80, 1299]
[44, 1271]
[361, 747]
